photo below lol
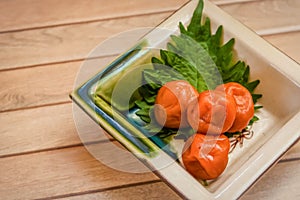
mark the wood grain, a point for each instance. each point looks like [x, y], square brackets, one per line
[39, 86]
[37, 129]
[60, 172]
[223, 2]
[43, 45]
[66, 43]
[281, 182]
[47, 128]
[293, 153]
[18, 15]
[157, 190]
[72, 42]
[263, 189]
[42, 85]
[57, 126]
[84, 169]
[267, 16]
[285, 42]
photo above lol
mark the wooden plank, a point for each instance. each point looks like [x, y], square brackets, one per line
[33, 87]
[46, 176]
[66, 160]
[293, 153]
[37, 129]
[42, 86]
[281, 182]
[284, 16]
[224, 2]
[37, 86]
[50, 84]
[61, 172]
[57, 126]
[46, 128]
[275, 184]
[65, 43]
[286, 43]
[28, 14]
[157, 190]
[70, 42]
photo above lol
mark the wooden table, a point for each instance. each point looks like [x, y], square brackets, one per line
[43, 44]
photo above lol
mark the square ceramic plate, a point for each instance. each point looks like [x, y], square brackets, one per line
[275, 132]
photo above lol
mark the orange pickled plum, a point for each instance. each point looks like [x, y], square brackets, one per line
[244, 104]
[206, 166]
[171, 103]
[213, 112]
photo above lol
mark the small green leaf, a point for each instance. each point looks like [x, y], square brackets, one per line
[257, 107]
[255, 97]
[199, 57]
[252, 85]
[195, 24]
[245, 77]
[182, 28]
[156, 61]
[254, 119]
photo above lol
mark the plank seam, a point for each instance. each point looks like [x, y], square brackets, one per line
[222, 2]
[219, 3]
[35, 106]
[101, 190]
[263, 34]
[86, 22]
[285, 160]
[278, 30]
[58, 148]
[56, 62]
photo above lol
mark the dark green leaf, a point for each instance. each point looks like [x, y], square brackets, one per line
[156, 61]
[255, 97]
[195, 24]
[245, 77]
[199, 57]
[182, 28]
[254, 119]
[252, 85]
[257, 107]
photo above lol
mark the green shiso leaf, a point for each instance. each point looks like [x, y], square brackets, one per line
[197, 56]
